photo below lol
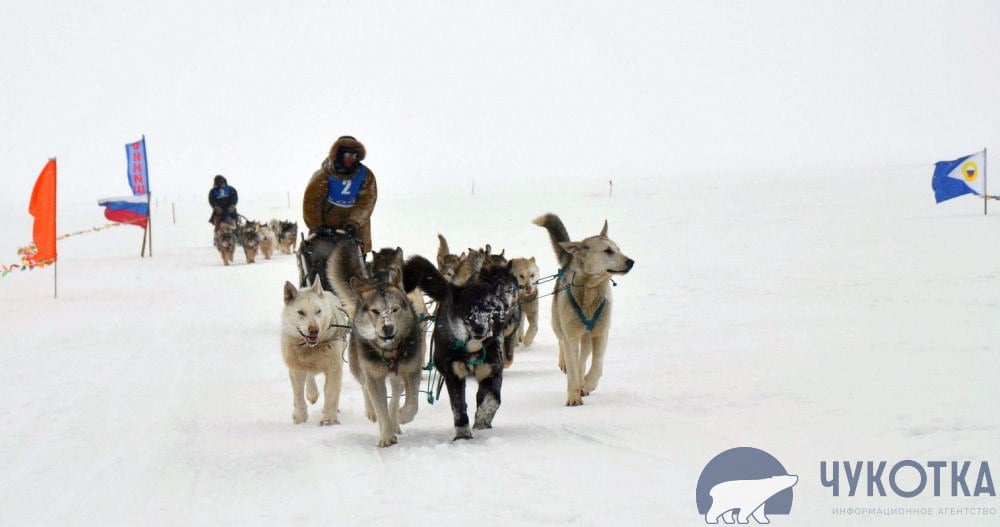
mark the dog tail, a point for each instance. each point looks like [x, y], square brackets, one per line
[442, 249]
[419, 272]
[557, 234]
[345, 262]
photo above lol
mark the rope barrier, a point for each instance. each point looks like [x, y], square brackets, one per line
[27, 254]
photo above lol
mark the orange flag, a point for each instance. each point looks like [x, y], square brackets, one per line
[43, 208]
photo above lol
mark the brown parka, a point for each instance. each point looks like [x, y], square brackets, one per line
[316, 210]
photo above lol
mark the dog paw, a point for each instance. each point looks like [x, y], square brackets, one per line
[370, 414]
[562, 366]
[527, 342]
[327, 421]
[387, 441]
[462, 432]
[312, 398]
[299, 417]
[481, 425]
[508, 362]
[574, 399]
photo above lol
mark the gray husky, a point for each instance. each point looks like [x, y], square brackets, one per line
[581, 307]
[386, 341]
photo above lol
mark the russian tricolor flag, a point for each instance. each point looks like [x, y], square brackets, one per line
[965, 175]
[133, 210]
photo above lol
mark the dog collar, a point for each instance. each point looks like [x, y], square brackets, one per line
[392, 362]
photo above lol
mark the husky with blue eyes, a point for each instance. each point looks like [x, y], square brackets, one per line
[468, 334]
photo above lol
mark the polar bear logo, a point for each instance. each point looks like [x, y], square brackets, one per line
[747, 495]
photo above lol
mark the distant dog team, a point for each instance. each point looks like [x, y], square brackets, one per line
[254, 236]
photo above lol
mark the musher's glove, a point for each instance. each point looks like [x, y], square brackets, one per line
[323, 230]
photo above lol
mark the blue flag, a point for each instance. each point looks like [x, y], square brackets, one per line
[138, 173]
[965, 175]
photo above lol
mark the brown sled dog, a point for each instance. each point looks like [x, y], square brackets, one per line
[225, 241]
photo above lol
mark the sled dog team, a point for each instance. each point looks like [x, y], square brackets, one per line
[254, 236]
[374, 313]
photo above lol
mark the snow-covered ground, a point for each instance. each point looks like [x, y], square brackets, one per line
[817, 316]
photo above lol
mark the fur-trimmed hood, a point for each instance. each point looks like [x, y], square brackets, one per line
[347, 141]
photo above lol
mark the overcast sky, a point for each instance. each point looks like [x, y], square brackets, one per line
[448, 91]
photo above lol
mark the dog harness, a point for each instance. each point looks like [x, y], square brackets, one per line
[589, 324]
[345, 193]
[471, 361]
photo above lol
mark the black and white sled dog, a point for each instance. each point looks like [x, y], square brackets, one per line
[493, 264]
[386, 341]
[581, 307]
[468, 334]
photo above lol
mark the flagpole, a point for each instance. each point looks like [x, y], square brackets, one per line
[149, 198]
[145, 232]
[55, 264]
[149, 217]
[986, 194]
[147, 229]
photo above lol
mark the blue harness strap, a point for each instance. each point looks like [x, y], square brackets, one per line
[471, 362]
[589, 324]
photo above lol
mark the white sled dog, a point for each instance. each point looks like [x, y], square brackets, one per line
[581, 307]
[268, 242]
[314, 329]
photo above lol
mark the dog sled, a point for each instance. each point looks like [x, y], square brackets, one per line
[314, 254]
